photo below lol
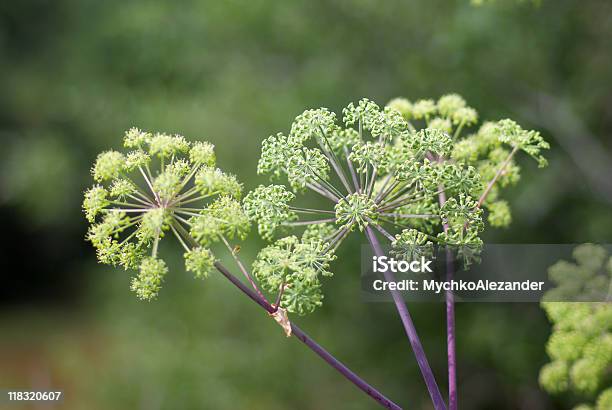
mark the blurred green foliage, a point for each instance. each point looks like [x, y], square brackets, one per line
[75, 74]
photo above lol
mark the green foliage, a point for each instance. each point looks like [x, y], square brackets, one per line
[580, 346]
[182, 194]
[586, 280]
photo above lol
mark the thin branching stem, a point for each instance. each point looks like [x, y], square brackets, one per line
[244, 271]
[311, 344]
[311, 210]
[449, 297]
[415, 342]
[418, 216]
[382, 193]
[323, 192]
[314, 222]
[496, 177]
[352, 171]
[148, 181]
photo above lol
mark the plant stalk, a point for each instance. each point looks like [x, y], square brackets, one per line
[312, 345]
[413, 337]
[449, 297]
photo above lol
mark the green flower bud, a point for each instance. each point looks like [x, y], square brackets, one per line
[389, 125]
[566, 346]
[200, 261]
[135, 138]
[599, 349]
[585, 375]
[604, 401]
[205, 229]
[148, 282]
[203, 153]
[465, 115]
[590, 256]
[401, 105]
[368, 153]
[136, 159]
[108, 251]
[554, 377]
[431, 140]
[458, 179]
[233, 221]
[466, 150]
[366, 114]
[302, 298]
[95, 201]
[305, 167]
[268, 206]
[461, 211]
[442, 124]
[356, 209]
[531, 142]
[449, 104]
[297, 266]
[109, 165]
[316, 124]
[167, 184]
[343, 138]
[154, 223]
[164, 145]
[423, 109]
[121, 188]
[319, 233]
[411, 244]
[211, 181]
[499, 214]
[130, 256]
[181, 167]
[275, 151]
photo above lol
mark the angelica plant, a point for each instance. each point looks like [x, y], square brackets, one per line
[403, 171]
[580, 346]
[163, 186]
[167, 186]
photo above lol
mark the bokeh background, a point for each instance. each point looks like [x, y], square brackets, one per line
[74, 74]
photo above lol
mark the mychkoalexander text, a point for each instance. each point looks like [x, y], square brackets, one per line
[431, 285]
[384, 263]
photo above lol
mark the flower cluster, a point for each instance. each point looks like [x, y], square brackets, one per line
[163, 185]
[293, 268]
[404, 170]
[580, 346]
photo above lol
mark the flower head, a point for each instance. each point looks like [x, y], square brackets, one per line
[378, 168]
[295, 267]
[165, 186]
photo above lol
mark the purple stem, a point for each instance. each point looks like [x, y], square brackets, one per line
[312, 345]
[450, 335]
[450, 322]
[413, 337]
